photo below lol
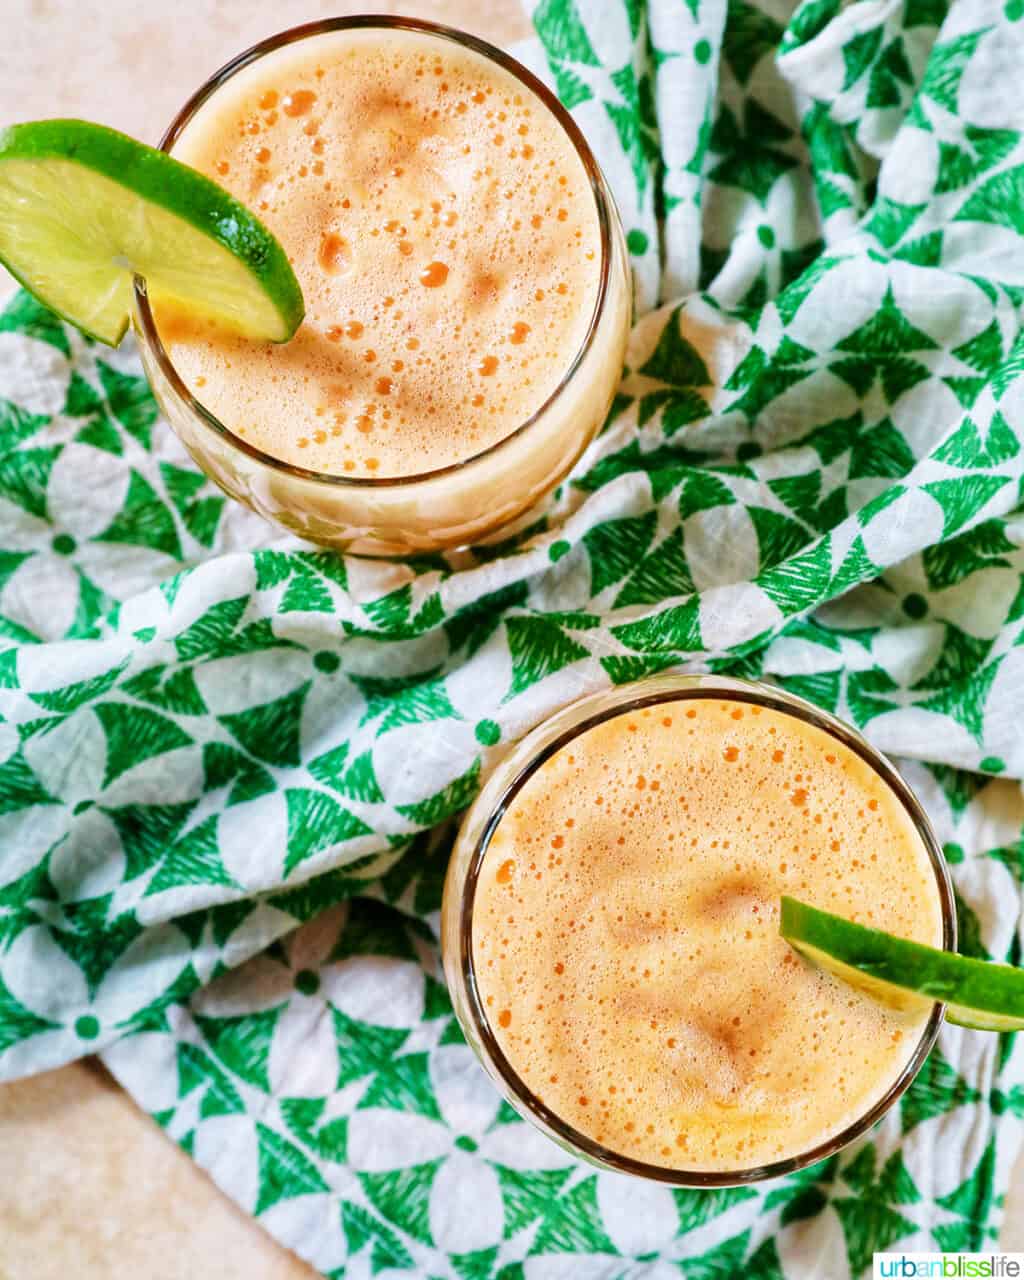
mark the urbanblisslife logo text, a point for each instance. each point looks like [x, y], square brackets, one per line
[949, 1266]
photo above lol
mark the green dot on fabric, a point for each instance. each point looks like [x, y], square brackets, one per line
[87, 1027]
[702, 51]
[325, 661]
[993, 764]
[83, 806]
[307, 982]
[1014, 10]
[749, 449]
[637, 241]
[64, 544]
[954, 853]
[557, 550]
[915, 606]
[488, 732]
[767, 236]
[465, 1144]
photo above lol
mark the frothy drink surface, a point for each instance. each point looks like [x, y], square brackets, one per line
[625, 934]
[445, 235]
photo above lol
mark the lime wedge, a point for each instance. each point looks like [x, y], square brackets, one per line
[84, 208]
[976, 993]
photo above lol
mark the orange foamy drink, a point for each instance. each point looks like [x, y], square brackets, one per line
[464, 278]
[617, 913]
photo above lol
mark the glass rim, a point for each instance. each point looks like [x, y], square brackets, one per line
[606, 217]
[634, 698]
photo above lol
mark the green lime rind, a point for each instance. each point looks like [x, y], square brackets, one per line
[84, 208]
[977, 993]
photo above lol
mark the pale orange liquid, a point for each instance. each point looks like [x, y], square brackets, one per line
[445, 235]
[625, 934]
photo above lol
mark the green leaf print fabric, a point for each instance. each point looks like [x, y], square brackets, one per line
[229, 762]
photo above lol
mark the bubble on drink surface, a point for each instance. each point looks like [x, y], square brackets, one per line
[433, 275]
[335, 254]
[298, 103]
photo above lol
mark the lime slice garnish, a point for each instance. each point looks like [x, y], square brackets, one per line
[905, 974]
[84, 208]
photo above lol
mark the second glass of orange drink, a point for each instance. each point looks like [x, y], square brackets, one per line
[611, 930]
[465, 276]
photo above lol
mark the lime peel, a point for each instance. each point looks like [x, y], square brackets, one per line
[83, 209]
[904, 974]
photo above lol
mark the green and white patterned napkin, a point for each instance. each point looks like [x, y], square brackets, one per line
[211, 735]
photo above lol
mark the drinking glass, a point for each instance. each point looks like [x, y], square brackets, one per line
[449, 506]
[479, 826]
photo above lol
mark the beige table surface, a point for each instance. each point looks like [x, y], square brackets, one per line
[89, 1186]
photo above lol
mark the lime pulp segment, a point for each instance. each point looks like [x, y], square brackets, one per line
[84, 208]
[976, 993]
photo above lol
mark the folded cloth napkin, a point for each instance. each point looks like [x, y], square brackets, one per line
[212, 735]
